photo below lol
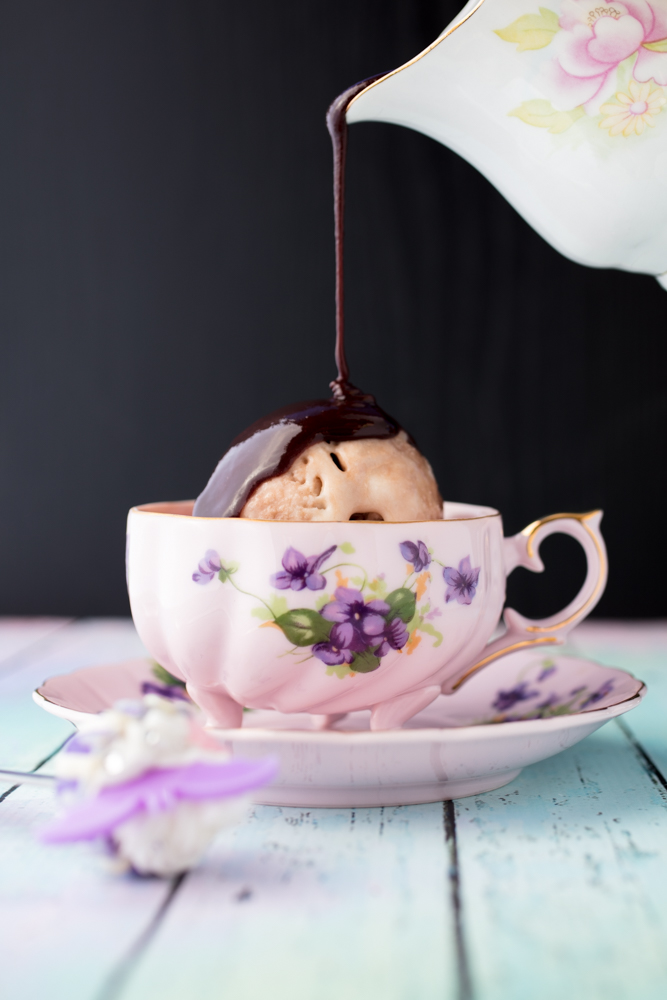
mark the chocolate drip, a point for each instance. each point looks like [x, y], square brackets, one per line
[337, 126]
[270, 446]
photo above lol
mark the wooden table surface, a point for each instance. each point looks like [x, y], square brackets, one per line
[552, 888]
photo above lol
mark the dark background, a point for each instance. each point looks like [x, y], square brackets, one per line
[166, 277]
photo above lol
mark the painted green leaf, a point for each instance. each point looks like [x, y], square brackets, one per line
[543, 115]
[341, 670]
[378, 588]
[162, 675]
[303, 626]
[357, 580]
[364, 663]
[278, 604]
[531, 31]
[320, 601]
[262, 613]
[402, 604]
[347, 548]
[430, 630]
[227, 571]
[660, 46]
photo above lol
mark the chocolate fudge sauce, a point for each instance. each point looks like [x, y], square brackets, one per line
[268, 447]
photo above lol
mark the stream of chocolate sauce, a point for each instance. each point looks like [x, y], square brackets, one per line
[268, 447]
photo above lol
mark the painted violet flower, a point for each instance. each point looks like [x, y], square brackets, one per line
[461, 582]
[208, 567]
[358, 627]
[598, 695]
[547, 670]
[301, 571]
[361, 624]
[505, 700]
[337, 650]
[417, 554]
[395, 637]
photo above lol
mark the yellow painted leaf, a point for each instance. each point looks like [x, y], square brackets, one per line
[531, 31]
[660, 46]
[543, 115]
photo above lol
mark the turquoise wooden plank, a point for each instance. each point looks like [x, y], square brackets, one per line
[641, 648]
[27, 733]
[17, 634]
[65, 922]
[561, 881]
[564, 879]
[319, 904]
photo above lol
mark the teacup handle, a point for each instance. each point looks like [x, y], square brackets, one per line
[523, 550]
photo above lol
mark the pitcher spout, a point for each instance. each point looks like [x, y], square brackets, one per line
[569, 127]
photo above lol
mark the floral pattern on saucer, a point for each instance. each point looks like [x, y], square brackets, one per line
[352, 629]
[539, 693]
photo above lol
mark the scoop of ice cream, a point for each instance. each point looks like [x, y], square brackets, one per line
[374, 479]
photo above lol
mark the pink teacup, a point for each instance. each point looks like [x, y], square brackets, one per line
[333, 617]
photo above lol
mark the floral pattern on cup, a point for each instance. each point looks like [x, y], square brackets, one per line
[363, 621]
[417, 554]
[606, 64]
[208, 567]
[301, 571]
[461, 582]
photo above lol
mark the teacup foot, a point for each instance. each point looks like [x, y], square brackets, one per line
[392, 714]
[321, 722]
[221, 711]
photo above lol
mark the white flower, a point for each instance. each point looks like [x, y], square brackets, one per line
[170, 842]
[132, 738]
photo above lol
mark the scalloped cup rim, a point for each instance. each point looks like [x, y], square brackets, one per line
[172, 508]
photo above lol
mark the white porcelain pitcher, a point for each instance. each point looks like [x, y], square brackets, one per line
[563, 107]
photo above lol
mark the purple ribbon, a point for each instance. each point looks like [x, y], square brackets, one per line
[155, 791]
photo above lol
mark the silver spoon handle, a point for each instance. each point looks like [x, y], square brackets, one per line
[25, 778]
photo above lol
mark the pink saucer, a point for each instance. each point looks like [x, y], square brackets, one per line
[523, 708]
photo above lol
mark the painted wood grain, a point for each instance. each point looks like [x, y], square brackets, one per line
[65, 922]
[564, 878]
[324, 904]
[561, 875]
[17, 634]
[641, 648]
[27, 733]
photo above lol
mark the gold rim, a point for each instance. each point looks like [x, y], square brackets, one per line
[550, 641]
[446, 33]
[142, 509]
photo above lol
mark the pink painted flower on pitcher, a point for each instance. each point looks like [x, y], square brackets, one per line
[594, 41]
